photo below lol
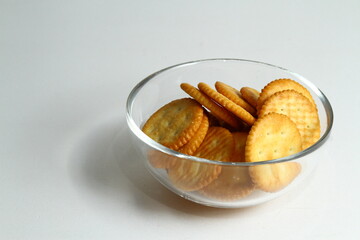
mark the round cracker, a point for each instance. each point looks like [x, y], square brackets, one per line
[218, 111]
[227, 103]
[189, 175]
[235, 96]
[194, 143]
[280, 85]
[250, 95]
[299, 109]
[273, 136]
[174, 124]
[159, 159]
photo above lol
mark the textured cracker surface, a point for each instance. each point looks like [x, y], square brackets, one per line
[218, 145]
[273, 136]
[280, 85]
[218, 111]
[191, 176]
[194, 143]
[227, 103]
[174, 124]
[250, 95]
[235, 96]
[299, 109]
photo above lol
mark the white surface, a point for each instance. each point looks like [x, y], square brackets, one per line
[67, 170]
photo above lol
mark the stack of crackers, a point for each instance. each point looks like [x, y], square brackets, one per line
[234, 125]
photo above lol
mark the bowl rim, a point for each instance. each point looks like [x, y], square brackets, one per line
[153, 144]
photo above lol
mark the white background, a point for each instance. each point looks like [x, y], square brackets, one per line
[67, 170]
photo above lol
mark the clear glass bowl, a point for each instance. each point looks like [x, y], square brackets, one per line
[232, 189]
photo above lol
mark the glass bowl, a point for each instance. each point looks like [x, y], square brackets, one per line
[232, 188]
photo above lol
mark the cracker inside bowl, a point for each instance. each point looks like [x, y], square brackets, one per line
[229, 174]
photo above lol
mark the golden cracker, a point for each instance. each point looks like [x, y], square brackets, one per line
[233, 183]
[273, 136]
[250, 95]
[227, 104]
[235, 96]
[214, 122]
[158, 159]
[174, 124]
[299, 109]
[218, 111]
[280, 85]
[194, 143]
[218, 145]
[190, 175]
